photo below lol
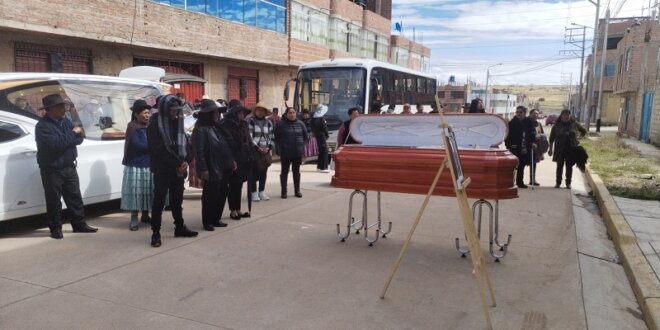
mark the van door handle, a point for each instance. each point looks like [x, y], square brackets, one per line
[29, 152]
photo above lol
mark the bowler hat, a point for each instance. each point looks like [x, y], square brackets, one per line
[140, 105]
[260, 105]
[208, 106]
[52, 100]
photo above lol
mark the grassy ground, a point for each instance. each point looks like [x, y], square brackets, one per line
[622, 170]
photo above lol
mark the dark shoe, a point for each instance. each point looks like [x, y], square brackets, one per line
[84, 228]
[235, 216]
[283, 196]
[245, 215]
[298, 194]
[155, 240]
[535, 184]
[219, 224]
[557, 185]
[145, 218]
[183, 231]
[522, 185]
[568, 186]
[209, 228]
[56, 233]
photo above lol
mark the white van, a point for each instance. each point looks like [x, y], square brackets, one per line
[101, 106]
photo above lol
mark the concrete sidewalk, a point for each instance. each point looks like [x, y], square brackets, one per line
[284, 268]
[634, 226]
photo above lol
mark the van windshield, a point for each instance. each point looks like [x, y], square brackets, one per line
[101, 108]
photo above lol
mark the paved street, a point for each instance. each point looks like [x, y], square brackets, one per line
[285, 269]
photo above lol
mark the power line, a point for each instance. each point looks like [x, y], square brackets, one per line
[521, 61]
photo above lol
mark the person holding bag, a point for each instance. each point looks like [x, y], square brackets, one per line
[563, 138]
[262, 134]
[213, 160]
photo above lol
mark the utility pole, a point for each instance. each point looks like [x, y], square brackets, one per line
[575, 40]
[486, 103]
[602, 71]
[567, 78]
[590, 86]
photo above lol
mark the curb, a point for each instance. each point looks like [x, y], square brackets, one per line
[645, 284]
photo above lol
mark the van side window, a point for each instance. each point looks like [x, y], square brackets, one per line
[9, 132]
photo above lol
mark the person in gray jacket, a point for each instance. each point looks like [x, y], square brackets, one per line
[290, 137]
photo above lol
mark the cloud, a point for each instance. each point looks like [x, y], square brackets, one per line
[467, 36]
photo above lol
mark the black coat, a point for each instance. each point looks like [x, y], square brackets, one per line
[238, 138]
[320, 129]
[291, 137]
[164, 158]
[212, 152]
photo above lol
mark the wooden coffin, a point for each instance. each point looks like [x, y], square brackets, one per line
[411, 169]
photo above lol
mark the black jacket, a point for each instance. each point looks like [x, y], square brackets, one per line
[521, 135]
[164, 159]
[320, 129]
[212, 152]
[237, 135]
[56, 143]
[291, 137]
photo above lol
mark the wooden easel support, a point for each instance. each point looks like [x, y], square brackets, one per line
[476, 255]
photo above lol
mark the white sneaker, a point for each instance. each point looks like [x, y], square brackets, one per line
[325, 171]
[263, 196]
[255, 197]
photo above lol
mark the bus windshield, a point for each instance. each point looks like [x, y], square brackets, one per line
[338, 88]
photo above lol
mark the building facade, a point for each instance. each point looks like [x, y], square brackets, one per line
[636, 81]
[227, 49]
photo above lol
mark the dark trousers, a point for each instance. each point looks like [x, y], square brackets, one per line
[260, 176]
[522, 162]
[164, 183]
[322, 161]
[210, 195]
[294, 163]
[560, 168]
[230, 191]
[58, 184]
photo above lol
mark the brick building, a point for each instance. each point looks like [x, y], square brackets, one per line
[636, 80]
[225, 49]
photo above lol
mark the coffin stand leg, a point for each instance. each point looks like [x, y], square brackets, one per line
[494, 232]
[476, 216]
[389, 229]
[352, 223]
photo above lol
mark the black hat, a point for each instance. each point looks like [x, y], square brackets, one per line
[140, 105]
[52, 100]
[236, 109]
[208, 106]
[233, 103]
[169, 102]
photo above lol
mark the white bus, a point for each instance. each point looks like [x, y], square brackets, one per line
[351, 82]
[101, 106]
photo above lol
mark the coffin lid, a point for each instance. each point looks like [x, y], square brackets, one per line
[479, 131]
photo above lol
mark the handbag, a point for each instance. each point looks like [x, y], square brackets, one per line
[263, 161]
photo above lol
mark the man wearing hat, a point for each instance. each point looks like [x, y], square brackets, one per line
[261, 131]
[56, 155]
[168, 149]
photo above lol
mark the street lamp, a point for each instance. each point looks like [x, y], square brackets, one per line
[584, 35]
[486, 104]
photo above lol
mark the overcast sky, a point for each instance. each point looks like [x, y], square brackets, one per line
[466, 37]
